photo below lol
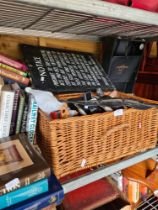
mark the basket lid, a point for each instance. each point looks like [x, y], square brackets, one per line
[62, 71]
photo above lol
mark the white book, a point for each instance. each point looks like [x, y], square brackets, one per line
[31, 118]
[6, 107]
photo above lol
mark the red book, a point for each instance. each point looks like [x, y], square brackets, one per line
[91, 196]
[14, 76]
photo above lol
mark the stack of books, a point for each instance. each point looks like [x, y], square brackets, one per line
[18, 110]
[23, 172]
[53, 197]
[13, 70]
[26, 181]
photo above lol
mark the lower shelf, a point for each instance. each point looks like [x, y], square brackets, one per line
[107, 170]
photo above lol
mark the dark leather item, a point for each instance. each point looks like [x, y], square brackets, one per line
[122, 71]
[121, 60]
[87, 197]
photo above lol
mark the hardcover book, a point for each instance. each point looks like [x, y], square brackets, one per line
[31, 118]
[64, 71]
[55, 195]
[92, 195]
[11, 62]
[20, 111]
[20, 163]
[16, 77]
[16, 89]
[17, 71]
[24, 118]
[6, 107]
[23, 193]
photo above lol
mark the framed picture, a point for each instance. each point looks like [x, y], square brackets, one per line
[13, 155]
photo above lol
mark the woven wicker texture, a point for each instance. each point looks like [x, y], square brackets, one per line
[75, 143]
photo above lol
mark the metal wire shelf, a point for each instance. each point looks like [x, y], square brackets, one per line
[82, 18]
[107, 170]
[86, 19]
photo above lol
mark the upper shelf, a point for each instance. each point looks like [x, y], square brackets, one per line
[70, 18]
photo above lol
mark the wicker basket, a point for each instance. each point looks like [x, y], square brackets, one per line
[75, 143]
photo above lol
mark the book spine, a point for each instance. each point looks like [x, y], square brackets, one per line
[24, 193]
[6, 108]
[17, 71]
[24, 118]
[133, 191]
[13, 63]
[14, 76]
[53, 198]
[15, 112]
[32, 118]
[10, 81]
[25, 181]
[56, 199]
[20, 112]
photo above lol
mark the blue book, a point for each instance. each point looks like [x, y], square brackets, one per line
[23, 193]
[55, 195]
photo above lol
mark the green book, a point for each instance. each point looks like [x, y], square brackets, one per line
[20, 111]
[17, 71]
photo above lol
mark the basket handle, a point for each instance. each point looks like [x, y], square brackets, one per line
[116, 128]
